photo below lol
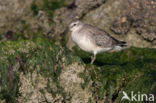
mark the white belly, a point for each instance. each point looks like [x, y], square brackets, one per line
[83, 42]
[86, 45]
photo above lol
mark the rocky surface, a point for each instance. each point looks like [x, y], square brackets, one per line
[39, 76]
[40, 70]
[71, 82]
[140, 16]
[17, 16]
[37, 69]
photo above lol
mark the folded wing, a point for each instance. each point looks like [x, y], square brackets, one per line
[101, 38]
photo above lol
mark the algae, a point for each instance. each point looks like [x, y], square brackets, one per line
[112, 72]
[132, 69]
[38, 53]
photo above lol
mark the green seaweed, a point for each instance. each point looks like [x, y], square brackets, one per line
[112, 73]
[142, 84]
[132, 69]
[36, 53]
[6, 92]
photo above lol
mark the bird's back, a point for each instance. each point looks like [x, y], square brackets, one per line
[100, 37]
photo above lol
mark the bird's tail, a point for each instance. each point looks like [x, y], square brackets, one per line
[122, 44]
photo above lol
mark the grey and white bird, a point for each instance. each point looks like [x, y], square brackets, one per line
[92, 39]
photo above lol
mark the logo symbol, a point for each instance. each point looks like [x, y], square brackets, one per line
[125, 96]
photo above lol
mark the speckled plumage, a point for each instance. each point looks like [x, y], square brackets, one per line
[98, 36]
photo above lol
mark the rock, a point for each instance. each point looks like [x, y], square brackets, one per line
[38, 69]
[32, 91]
[51, 73]
[121, 25]
[48, 73]
[112, 73]
[71, 82]
[14, 12]
[140, 15]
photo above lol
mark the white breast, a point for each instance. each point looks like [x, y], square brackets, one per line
[83, 42]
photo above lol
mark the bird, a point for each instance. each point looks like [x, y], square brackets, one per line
[91, 39]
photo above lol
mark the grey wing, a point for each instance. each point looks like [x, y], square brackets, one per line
[101, 38]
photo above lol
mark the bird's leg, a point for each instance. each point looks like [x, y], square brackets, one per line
[93, 59]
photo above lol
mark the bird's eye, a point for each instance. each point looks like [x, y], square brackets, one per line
[74, 24]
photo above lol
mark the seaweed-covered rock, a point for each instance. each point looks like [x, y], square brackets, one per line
[130, 70]
[35, 69]
[38, 70]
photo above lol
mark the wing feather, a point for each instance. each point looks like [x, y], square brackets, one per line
[100, 37]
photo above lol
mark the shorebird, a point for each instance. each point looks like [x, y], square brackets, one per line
[92, 39]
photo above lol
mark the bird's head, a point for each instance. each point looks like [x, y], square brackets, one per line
[75, 25]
